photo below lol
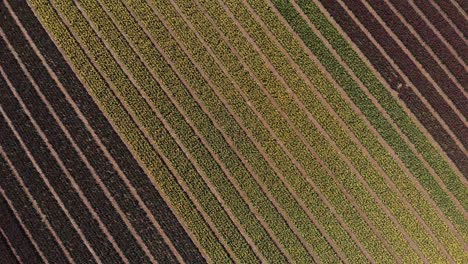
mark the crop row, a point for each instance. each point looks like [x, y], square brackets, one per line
[198, 134]
[255, 97]
[360, 129]
[337, 134]
[390, 104]
[372, 113]
[132, 134]
[235, 132]
[221, 183]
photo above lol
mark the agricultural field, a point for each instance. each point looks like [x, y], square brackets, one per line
[247, 131]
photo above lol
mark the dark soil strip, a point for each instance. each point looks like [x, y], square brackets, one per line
[109, 137]
[444, 27]
[23, 206]
[85, 141]
[422, 56]
[432, 40]
[68, 155]
[6, 253]
[434, 128]
[409, 68]
[396, 82]
[453, 14]
[14, 232]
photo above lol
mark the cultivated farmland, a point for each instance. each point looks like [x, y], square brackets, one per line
[275, 131]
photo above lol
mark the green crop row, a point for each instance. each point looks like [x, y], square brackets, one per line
[384, 128]
[214, 106]
[178, 115]
[384, 97]
[248, 184]
[206, 163]
[284, 99]
[217, 76]
[98, 87]
[339, 136]
[250, 89]
[359, 128]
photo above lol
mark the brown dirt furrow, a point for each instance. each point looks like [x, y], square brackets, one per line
[387, 147]
[453, 150]
[86, 161]
[443, 24]
[421, 55]
[398, 130]
[28, 194]
[421, 80]
[153, 143]
[96, 138]
[433, 38]
[453, 13]
[140, 163]
[384, 77]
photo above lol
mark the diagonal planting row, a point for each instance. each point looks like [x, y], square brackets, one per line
[305, 96]
[443, 170]
[385, 160]
[255, 182]
[140, 143]
[251, 91]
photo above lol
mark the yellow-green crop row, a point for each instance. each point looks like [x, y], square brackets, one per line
[131, 133]
[251, 89]
[249, 186]
[217, 76]
[366, 169]
[375, 117]
[297, 116]
[213, 104]
[360, 129]
[194, 146]
[217, 143]
[386, 100]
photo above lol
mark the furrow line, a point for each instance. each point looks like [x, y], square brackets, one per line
[158, 205]
[452, 16]
[83, 158]
[9, 246]
[405, 78]
[23, 226]
[459, 110]
[451, 99]
[377, 135]
[43, 217]
[414, 120]
[444, 26]
[95, 137]
[117, 117]
[433, 37]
